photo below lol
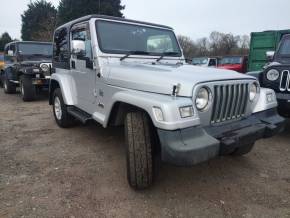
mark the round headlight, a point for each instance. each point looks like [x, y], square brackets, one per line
[202, 99]
[273, 75]
[44, 67]
[253, 91]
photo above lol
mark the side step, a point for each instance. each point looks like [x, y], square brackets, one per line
[82, 116]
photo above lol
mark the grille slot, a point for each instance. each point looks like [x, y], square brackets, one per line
[230, 102]
[285, 81]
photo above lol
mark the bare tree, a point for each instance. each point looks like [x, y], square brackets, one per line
[188, 46]
[217, 44]
[203, 47]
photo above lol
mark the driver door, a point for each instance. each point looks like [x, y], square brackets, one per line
[82, 69]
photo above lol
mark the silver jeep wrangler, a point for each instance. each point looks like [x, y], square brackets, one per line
[123, 72]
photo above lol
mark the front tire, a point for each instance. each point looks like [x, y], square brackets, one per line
[243, 150]
[27, 89]
[1, 80]
[139, 148]
[9, 88]
[62, 117]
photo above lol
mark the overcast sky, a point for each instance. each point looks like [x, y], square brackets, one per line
[195, 18]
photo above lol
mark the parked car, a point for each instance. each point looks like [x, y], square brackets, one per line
[123, 72]
[236, 63]
[205, 62]
[261, 42]
[1, 67]
[28, 65]
[276, 74]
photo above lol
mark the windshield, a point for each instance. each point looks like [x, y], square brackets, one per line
[285, 48]
[231, 60]
[120, 38]
[199, 61]
[35, 49]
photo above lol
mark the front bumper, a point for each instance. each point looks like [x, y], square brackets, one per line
[41, 81]
[283, 103]
[194, 145]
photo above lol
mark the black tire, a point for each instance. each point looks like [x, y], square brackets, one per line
[1, 80]
[9, 88]
[140, 140]
[27, 89]
[65, 120]
[243, 150]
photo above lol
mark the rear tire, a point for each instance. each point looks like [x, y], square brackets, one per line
[62, 117]
[243, 150]
[139, 148]
[27, 89]
[9, 88]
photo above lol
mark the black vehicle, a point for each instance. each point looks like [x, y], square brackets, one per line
[27, 65]
[276, 74]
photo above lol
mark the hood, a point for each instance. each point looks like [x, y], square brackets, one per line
[161, 78]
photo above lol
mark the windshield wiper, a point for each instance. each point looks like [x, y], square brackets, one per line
[134, 53]
[166, 54]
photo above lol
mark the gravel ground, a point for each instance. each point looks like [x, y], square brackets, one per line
[46, 171]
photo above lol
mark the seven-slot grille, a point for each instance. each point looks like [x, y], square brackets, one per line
[285, 81]
[230, 102]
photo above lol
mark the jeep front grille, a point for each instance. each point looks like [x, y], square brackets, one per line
[285, 81]
[230, 102]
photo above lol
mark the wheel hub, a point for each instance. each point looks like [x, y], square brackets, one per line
[57, 108]
[5, 85]
[22, 89]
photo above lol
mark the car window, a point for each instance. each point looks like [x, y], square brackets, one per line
[122, 38]
[159, 44]
[61, 49]
[13, 48]
[1, 57]
[231, 60]
[199, 61]
[83, 35]
[212, 62]
[285, 48]
[35, 49]
[8, 59]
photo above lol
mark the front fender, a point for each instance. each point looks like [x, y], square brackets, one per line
[9, 73]
[256, 74]
[67, 87]
[168, 104]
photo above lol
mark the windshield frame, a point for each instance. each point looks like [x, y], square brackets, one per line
[34, 43]
[151, 54]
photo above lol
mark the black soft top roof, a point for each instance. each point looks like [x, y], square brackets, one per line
[86, 18]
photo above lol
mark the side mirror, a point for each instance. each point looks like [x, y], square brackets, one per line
[10, 53]
[78, 47]
[270, 55]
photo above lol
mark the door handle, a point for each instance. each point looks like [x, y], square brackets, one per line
[73, 64]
